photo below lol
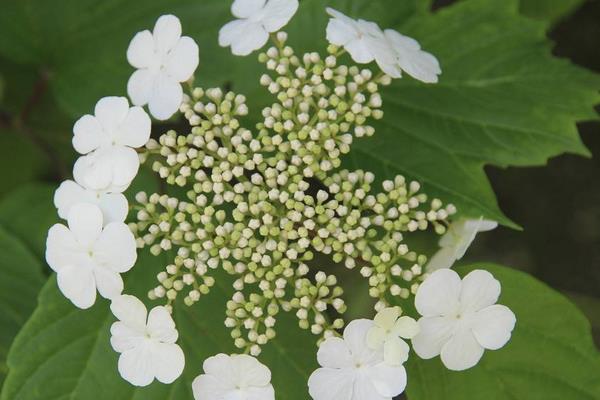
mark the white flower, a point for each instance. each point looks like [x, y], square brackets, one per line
[235, 377]
[461, 319]
[351, 370]
[113, 205]
[108, 138]
[146, 342]
[411, 59]
[87, 257]
[393, 52]
[455, 242]
[163, 59]
[387, 332]
[257, 18]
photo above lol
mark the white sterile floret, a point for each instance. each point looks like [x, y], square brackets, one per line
[87, 257]
[238, 376]
[366, 42]
[113, 205]
[108, 139]
[456, 241]
[146, 341]
[461, 319]
[351, 370]
[257, 18]
[387, 334]
[163, 59]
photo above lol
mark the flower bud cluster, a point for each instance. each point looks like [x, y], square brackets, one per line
[259, 205]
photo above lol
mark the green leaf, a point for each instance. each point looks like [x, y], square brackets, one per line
[551, 355]
[549, 10]
[20, 280]
[63, 352]
[28, 212]
[20, 150]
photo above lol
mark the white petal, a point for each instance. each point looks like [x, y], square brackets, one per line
[389, 381]
[166, 33]
[387, 317]
[136, 367]
[444, 258]
[109, 170]
[124, 337]
[77, 284]
[249, 371]
[168, 362]
[89, 175]
[434, 333]
[87, 134]
[375, 337]
[85, 221]
[247, 8]
[111, 111]
[278, 13]
[62, 249]
[461, 352]
[479, 290]
[182, 60]
[166, 98]
[334, 353]
[135, 129]
[68, 194]
[218, 365]
[209, 387]
[116, 248]
[493, 326]
[406, 327]
[260, 393]
[340, 32]
[439, 294]
[364, 388]
[243, 36]
[420, 65]
[140, 86]
[130, 310]
[360, 51]
[108, 282]
[395, 351]
[114, 207]
[355, 337]
[331, 384]
[140, 52]
[161, 326]
[125, 165]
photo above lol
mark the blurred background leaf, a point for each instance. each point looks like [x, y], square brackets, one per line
[549, 10]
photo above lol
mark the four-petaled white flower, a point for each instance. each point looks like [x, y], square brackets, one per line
[461, 319]
[351, 370]
[235, 377]
[108, 138]
[87, 257]
[146, 341]
[393, 52]
[257, 18]
[113, 205]
[387, 333]
[163, 59]
[455, 243]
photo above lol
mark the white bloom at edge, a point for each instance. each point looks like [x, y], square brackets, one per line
[366, 42]
[456, 241]
[235, 377]
[146, 342]
[114, 206]
[351, 370]
[257, 18]
[108, 139]
[388, 331]
[461, 319]
[163, 59]
[87, 257]
[412, 59]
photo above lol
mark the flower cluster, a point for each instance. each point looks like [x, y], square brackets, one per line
[266, 205]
